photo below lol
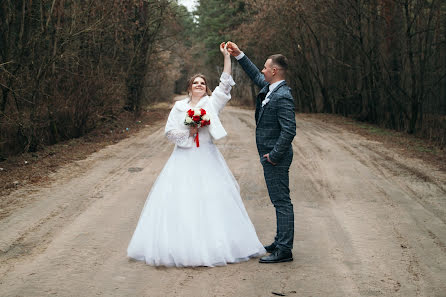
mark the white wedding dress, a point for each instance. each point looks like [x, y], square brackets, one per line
[194, 215]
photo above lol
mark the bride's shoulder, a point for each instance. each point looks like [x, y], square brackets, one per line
[182, 105]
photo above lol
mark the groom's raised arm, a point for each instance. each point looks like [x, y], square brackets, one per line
[251, 70]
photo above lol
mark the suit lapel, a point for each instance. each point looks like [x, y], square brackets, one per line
[263, 93]
[260, 97]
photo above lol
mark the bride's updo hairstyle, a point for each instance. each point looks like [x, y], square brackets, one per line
[191, 81]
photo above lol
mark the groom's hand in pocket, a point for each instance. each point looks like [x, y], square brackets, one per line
[267, 158]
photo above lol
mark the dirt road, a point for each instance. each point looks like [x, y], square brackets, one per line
[368, 222]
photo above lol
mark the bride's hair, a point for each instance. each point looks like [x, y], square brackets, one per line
[191, 81]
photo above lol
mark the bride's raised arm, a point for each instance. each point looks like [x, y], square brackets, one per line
[222, 93]
[227, 58]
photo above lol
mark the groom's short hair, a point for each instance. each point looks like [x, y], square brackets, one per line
[279, 60]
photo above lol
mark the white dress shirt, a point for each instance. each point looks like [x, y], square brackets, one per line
[271, 88]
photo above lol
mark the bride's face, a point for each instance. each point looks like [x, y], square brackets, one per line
[198, 87]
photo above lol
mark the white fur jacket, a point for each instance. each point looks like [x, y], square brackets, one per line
[177, 132]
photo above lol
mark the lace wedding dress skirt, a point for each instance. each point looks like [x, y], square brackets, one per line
[194, 215]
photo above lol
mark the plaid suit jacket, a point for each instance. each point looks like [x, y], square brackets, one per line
[275, 122]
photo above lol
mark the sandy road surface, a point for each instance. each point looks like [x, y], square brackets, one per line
[368, 222]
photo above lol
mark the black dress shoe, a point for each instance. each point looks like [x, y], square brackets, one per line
[278, 256]
[270, 248]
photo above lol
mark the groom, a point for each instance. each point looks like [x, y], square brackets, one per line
[275, 130]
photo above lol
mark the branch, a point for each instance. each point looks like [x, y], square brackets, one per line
[50, 14]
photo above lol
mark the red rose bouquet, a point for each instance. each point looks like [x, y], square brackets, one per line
[199, 118]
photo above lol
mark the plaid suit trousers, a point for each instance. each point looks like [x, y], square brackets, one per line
[277, 182]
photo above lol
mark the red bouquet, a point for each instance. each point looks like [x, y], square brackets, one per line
[199, 118]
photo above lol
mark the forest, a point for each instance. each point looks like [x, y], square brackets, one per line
[67, 67]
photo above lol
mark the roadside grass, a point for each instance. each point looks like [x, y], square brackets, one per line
[375, 130]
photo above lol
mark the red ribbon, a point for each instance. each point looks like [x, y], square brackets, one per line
[197, 141]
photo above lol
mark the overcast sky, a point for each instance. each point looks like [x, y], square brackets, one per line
[190, 4]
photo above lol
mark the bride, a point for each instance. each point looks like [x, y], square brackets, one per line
[194, 215]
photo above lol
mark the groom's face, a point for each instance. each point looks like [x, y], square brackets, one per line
[268, 70]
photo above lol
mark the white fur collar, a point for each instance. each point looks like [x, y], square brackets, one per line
[183, 105]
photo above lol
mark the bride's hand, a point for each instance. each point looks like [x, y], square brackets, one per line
[193, 130]
[223, 49]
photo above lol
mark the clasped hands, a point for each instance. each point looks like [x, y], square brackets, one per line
[229, 48]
